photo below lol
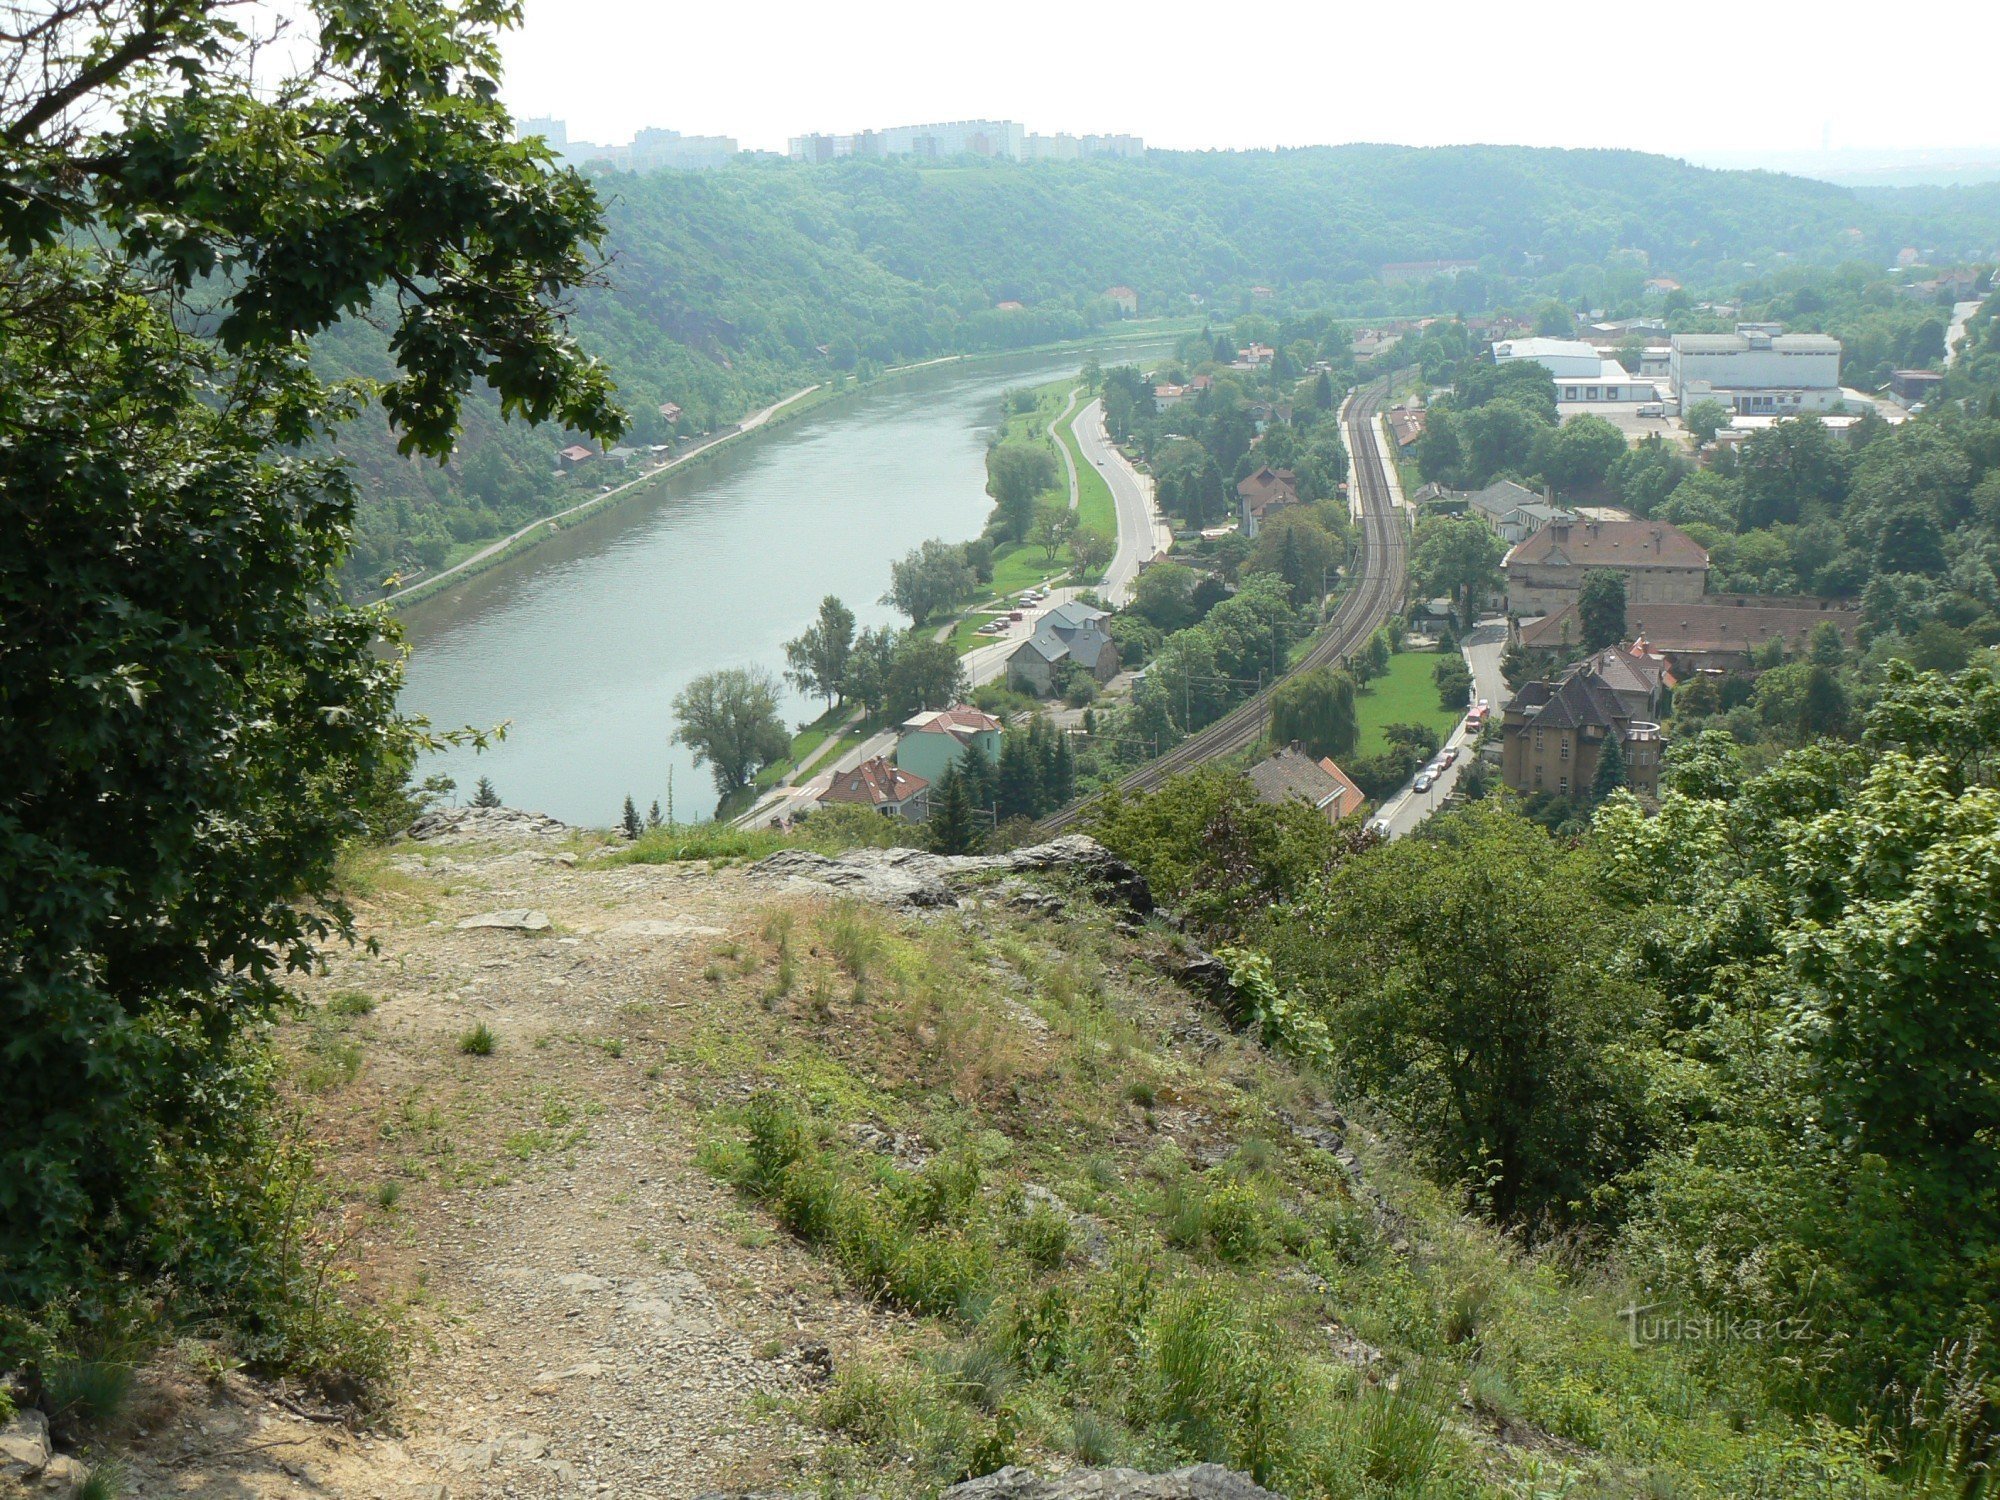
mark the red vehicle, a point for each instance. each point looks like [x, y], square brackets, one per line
[1015, 614]
[1475, 721]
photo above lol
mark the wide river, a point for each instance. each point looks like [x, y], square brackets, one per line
[581, 644]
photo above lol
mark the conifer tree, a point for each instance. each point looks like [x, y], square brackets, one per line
[630, 825]
[653, 818]
[1017, 787]
[484, 795]
[952, 828]
[1610, 775]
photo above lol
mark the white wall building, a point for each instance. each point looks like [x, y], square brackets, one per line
[1755, 371]
[1580, 372]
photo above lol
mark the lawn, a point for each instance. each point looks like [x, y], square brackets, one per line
[1404, 695]
[1095, 509]
[966, 634]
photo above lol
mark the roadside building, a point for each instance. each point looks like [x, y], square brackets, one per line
[1290, 775]
[1718, 633]
[573, 455]
[1579, 371]
[1912, 386]
[1167, 397]
[1553, 733]
[1758, 368]
[931, 742]
[1261, 493]
[1125, 300]
[670, 411]
[1513, 510]
[1661, 564]
[1069, 633]
[883, 786]
[1406, 424]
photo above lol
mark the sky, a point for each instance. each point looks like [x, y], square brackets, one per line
[1281, 73]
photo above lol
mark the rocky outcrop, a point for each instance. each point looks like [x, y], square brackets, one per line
[515, 919]
[29, 1465]
[1200, 1482]
[480, 825]
[915, 880]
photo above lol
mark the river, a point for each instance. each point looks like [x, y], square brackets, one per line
[580, 645]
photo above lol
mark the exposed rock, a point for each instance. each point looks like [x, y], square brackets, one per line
[24, 1445]
[916, 880]
[1199, 1482]
[519, 919]
[475, 825]
[63, 1475]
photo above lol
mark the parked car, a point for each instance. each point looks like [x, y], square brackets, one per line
[1426, 779]
[1015, 614]
[1444, 758]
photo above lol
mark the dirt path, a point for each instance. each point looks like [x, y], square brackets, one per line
[587, 1312]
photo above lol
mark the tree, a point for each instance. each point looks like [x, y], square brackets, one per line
[1018, 785]
[1459, 979]
[729, 719]
[1054, 525]
[1419, 738]
[484, 795]
[1163, 595]
[195, 721]
[868, 666]
[923, 674]
[952, 827]
[1705, 419]
[1015, 474]
[1610, 774]
[816, 662]
[630, 824]
[653, 818]
[1457, 558]
[1581, 454]
[1296, 548]
[1454, 682]
[929, 580]
[1600, 607]
[1091, 551]
[1323, 396]
[1825, 647]
[1372, 660]
[1316, 709]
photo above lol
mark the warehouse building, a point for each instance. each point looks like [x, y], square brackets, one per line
[1756, 371]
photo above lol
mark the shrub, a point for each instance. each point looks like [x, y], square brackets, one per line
[479, 1041]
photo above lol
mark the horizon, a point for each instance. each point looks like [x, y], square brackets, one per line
[1054, 70]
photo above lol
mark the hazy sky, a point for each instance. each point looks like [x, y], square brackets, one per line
[1286, 72]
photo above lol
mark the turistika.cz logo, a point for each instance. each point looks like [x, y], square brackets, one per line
[1646, 1324]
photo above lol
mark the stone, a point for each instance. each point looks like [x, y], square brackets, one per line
[670, 927]
[1198, 1482]
[24, 1445]
[583, 1281]
[471, 825]
[517, 919]
[915, 880]
[63, 1475]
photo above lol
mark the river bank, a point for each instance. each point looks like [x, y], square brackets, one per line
[583, 640]
[799, 403]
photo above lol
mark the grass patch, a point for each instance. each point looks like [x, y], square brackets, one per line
[478, 1041]
[1405, 694]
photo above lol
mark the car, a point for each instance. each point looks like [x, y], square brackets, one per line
[1444, 758]
[1426, 779]
[1015, 614]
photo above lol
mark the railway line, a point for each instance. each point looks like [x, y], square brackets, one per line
[1377, 594]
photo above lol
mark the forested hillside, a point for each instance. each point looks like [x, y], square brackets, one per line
[725, 289]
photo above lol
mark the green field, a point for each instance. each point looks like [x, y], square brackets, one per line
[1404, 695]
[1095, 509]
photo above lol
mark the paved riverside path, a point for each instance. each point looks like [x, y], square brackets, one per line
[1140, 534]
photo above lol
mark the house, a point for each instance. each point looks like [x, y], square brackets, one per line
[573, 455]
[931, 742]
[1125, 300]
[877, 783]
[1373, 345]
[1256, 356]
[670, 411]
[1292, 775]
[1553, 733]
[1068, 633]
[1166, 397]
[1406, 424]
[1662, 564]
[1010, 305]
[622, 455]
[1660, 286]
[1718, 633]
[1261, 493]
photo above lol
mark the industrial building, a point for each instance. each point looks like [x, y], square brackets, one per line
[1580, 371]
[1756, 370]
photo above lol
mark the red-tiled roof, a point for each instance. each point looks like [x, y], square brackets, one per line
[1611, 544]
[874, 783]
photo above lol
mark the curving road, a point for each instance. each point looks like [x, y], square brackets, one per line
[1377, 593]
[1131, 492]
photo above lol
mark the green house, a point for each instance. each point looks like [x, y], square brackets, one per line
[932, 740]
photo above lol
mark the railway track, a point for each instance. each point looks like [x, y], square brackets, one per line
[1377, 594]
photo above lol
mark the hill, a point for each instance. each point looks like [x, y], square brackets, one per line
[724, 289]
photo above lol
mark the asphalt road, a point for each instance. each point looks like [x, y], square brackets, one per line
[1484, 646]
[1138, 530]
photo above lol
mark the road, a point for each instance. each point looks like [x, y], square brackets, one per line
[1961, 314]
[1376, 593]
[1139, 528]
[750, 423]
[1484, 646]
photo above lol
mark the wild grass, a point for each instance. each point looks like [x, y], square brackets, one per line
[477, 1041]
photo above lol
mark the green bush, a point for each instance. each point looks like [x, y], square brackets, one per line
[478, 1041]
